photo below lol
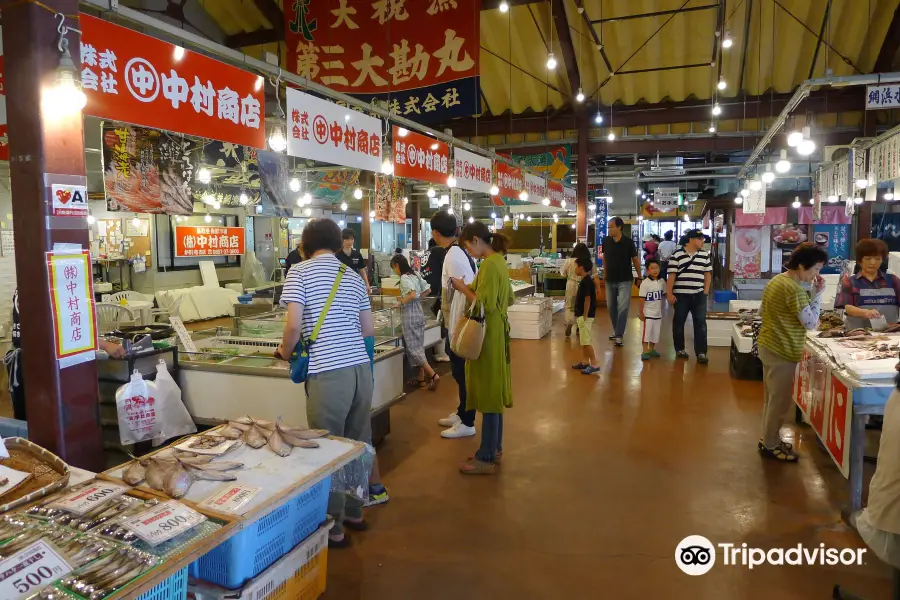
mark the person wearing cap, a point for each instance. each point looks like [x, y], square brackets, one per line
[690, 275]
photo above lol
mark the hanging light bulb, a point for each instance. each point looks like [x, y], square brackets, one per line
[528, 218]
[768, 176]
[91, 219]
[611, 136]
[640, 217]
[551, 61]
[579, 97]
[638, 192]
[244, 199]
[178, 53]
[451, 181]
[294, 184]
[207, 218]
[277, 141]
[359, 219]
[217, 205]
[405, 200]
[598, 118]
[300, 201]
[209, 199]
[716, 109]
[796, 202]
[357, 193]
[862, 183]
[858, 200]
[307, 211]
[721, 84]
[371, 219]
[712, 127]
[562, 204]
[504, 6]
[450, 210]
[506, 218]
[783, 165]
[745, 192]
[203, 175]
[467, 206]
[807, 146]
[344, 206]
[756, 185]
[794, 138]
[65, 97]
[812, 201]
[371, 213]
[889, 195]
[738, 199]
[494, 190]
[341, 223]
[727, 42]
[471, 219]
[307, 198]
[523, 196]
[387, 167]
[546, 201]
[402, 131]
[687, 219]
[431, 193]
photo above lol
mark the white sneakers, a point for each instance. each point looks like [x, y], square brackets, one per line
[450, 421]
[458, 430]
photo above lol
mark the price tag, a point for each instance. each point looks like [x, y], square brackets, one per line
[184, 337]
[230, 498]
[163, 522]
[30, 570]
[83, 500]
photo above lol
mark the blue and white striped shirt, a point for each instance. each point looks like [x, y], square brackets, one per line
[340, 342]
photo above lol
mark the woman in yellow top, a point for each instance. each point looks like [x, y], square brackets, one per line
[787, 312]
[488, 386]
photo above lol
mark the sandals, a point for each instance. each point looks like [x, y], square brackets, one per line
[417, 382]
[477, 467]
[580, 366]
[433, 381]
[782, 452]
[497, 458]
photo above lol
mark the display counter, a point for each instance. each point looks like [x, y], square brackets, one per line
[837, 389]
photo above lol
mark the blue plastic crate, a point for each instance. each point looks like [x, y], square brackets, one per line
[259, 545]
[724, 296]
[173, 588]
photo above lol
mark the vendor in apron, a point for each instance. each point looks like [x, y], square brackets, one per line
[871, 298]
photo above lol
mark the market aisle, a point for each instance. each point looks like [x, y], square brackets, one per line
[602, 477]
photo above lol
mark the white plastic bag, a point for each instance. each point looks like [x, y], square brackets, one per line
[138, 410]
[174, 417]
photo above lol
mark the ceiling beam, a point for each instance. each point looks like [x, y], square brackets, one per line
[885, 60]
[656, 69]
[640, 115]
[271, 12]
[658, 13]
[255, 38]
[564, 35]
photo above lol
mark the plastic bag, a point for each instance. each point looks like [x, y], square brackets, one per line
[173, 416]
[353, 478]
[136, 405]
[254, 272]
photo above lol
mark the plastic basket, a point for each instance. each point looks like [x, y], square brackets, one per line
[173, 588]
[260, 544]
[300, 575]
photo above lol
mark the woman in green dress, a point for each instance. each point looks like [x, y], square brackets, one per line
[488, 387]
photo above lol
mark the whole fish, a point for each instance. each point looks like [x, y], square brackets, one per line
[229, 432]
[156, 474]
[267, 425]
[278, 445]
[254, 437]
[200, 473]
[297, 441]
[134, 474]
[222, 465]
[240, 426]
[245, 420]
[305, 434]
[178, 482]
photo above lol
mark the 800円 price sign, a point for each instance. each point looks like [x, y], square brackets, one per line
[163, 522]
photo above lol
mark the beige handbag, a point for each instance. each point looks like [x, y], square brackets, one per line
[468, 336]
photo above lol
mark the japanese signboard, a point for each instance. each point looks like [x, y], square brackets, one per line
[826, 401]
[755, 203]
[510, 180]
[601, 216]
[131, 77]
[191, 241]
[556, 192]
[666, 199]
[327, 132]
[69, 200]
[472, 171]
[146, 171]
[417, 156]
[536, 186]
[72, 299]
[423, 53]
[571, 197]
[834, 239]
[882, 96]
[554, 163]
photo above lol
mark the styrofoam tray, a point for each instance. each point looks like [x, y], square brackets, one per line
[744, 344]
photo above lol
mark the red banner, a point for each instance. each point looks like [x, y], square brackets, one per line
[377, 46]
[557, 193]
[510, 180]
[839, 399]
[417, 156]
[193, 241]
[4, 138]
[131, 77]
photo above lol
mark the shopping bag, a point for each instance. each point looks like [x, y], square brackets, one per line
[174, 419]
[468, 336]
[137, 410]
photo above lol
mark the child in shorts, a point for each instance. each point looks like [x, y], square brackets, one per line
[585, 307]
[652, 294]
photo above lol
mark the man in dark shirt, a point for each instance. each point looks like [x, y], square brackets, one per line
[353, 258]
[584, 309]
[619, 254]
[433, 262]
[293, 258]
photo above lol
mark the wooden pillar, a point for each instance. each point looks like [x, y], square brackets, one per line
[416, 226]
[366, 241]
[62, 404]
[864, 220]
[582, 188]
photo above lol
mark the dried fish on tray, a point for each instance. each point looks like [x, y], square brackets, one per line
[103, 577]
[48, 473]
[829, 319]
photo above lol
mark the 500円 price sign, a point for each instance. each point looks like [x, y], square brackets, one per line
[30, 570]
[86, 499]
[163, 522]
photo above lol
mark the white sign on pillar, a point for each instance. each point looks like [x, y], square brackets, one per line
[755, 203]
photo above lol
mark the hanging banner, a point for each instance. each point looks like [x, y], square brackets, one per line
[324, 131]
[510, 180]
[601, 223]
[536, 186]
[747, 252]
[755, 203]
[192, 241]
[880, 97]
[420, 56]
[571, 196]
[557, 193]
[835, 240]
[555, 163]
[146, 171]
[72, 303]
[131, 77]
[666, 199]
[774, 215]
[472, 171]
[417, 156]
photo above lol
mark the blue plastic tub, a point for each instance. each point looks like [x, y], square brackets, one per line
[720, 296]
[173, 588]
[250, 552]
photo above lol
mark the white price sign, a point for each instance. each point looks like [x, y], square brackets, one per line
[29, 571]
[230, 498]
[85, 499]
[163, 522]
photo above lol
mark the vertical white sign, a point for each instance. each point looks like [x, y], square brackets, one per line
[755, 203]
[472, 171]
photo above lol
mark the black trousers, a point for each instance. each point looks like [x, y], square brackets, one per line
[458, 370]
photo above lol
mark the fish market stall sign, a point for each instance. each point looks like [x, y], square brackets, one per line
[27, 572]
[86, 499]
[131, 77]
[163, 522]
[193, 241]
[72, 303]
[420, 157]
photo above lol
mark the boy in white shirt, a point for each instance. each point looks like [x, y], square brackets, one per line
[653, 293]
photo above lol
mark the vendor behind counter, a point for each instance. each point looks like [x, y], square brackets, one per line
[872, 293]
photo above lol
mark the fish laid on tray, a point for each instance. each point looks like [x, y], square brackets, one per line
[103, 577]
[280, 439]
[173, 471]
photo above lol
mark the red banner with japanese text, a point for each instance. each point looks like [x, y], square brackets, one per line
[839, 403]
[418, 156]
[424, 53]
[510, 180]
[557, 193]
[193, 241]
[131, 77]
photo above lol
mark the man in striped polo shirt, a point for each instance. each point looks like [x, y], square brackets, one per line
[690, 275]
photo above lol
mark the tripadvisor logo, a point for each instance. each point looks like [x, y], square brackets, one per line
[696, 555]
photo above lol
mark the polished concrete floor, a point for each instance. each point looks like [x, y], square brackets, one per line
[602, 477]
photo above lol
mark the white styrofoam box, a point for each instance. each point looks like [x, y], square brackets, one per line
[238, 287]
[718, 341]
[720, 328]
[533, 331]
[210, 302]
[187, 310]
[744, 344]
[736, 305]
